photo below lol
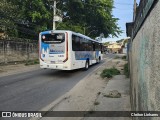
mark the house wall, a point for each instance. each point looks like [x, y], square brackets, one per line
[114, 46]
[145, 65]
[124, 51]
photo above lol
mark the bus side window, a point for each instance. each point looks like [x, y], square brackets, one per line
[82, 44]
[90, 48]
[87, 45]
[75, 43]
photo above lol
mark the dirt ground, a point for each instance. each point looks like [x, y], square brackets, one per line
[16, 68]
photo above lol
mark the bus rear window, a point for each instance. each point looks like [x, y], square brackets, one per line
[54, 38]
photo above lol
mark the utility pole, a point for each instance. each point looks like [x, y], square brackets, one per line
[84, 32]
[134, 10]
[54, 14]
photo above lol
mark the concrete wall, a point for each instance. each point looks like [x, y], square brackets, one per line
[14, 50]
[145, 65]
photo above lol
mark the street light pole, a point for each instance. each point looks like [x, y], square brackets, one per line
[54, 14]
[84, 31]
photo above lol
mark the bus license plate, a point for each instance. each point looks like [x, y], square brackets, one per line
[53, 62]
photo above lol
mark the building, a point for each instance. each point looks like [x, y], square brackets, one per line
[114, 47]
[119, 46]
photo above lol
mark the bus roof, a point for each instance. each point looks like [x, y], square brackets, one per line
[79, 34]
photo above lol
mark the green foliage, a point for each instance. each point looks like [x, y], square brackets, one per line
[10, 11]
[25, 18]
[93, 16]
[117, 57]
[109, 73]
[32, 62]
[124, 57]
[126, 70]
[90, 17]
[96, 103]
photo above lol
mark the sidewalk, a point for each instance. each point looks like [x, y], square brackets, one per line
[91, 90]
[121, 84]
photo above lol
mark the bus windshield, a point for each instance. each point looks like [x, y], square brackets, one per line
[54, 38]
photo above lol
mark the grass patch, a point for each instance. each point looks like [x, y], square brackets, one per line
[117, 57]
[111, 96]
[32, 62]
[98, 93]
[96, 103]
[109, 73]
[126, 70]
[124, 57]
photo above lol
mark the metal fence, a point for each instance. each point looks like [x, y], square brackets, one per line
[142, 11]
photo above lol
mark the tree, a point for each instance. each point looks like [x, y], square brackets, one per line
[8, 15]
[90, 15]
[35, 16]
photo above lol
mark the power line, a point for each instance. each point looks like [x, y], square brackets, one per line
[123, 9]
[123, 3]
[98, 6]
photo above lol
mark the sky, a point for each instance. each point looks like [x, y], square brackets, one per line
[124, 11]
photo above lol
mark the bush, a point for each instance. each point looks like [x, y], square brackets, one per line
[124, 57]
[109, 73]
[126, 70]
[32, 62]
[117, 57]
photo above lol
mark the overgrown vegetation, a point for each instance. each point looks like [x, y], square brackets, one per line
[32, 62]
[117, 57]
[96, 103]
[124, 57]
[109, 73]
[126, 70]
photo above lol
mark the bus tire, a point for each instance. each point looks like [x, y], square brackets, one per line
[98, 60]
[86, 65]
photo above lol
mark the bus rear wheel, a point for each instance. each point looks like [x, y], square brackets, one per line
[86, 65]
[98, 60]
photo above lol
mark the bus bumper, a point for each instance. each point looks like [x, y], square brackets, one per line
[54, 66]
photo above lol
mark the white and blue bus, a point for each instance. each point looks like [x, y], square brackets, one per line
[67, 50]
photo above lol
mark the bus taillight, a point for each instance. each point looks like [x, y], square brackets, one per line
[66, 47]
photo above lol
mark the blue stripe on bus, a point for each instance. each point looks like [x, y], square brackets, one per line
[46, 32]
[56, 53]
[82, 59]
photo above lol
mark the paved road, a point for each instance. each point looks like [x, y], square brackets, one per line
[31, 91]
